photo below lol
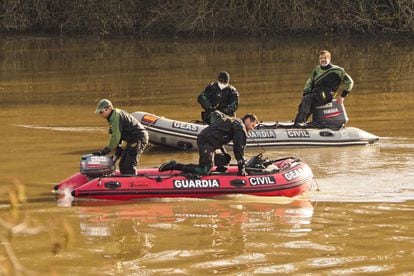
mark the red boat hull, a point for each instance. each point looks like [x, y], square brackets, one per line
[294, 179]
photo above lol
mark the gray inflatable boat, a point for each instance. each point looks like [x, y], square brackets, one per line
[327, 129]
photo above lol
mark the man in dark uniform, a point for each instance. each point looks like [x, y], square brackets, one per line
[214, 137]
[128, 136]
[321, 87]
[218, 99]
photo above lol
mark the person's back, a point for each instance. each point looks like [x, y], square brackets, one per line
[220, 133]
[214, 137]
[130, 128]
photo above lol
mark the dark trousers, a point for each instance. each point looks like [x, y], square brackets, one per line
[211, 117]
[131, 155]
[309, 103]
[205, 162]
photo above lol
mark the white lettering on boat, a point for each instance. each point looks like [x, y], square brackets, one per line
[98, 159]
[196, 183]
[330, 110]
[186, 126]
[293, 174]
[191, 215]
[263, 180]
[298, 133]
[262, 134]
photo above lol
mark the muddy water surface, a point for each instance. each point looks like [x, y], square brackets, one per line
[359, 222]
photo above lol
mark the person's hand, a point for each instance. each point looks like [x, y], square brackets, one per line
[340, 100]
[105, 151]
[242, 172]
[227, 157]
[227, 110]
[118, 151]
[344, 93]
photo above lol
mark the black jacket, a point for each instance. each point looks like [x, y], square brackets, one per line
[213, 98]
[123, 127]
[223, 132]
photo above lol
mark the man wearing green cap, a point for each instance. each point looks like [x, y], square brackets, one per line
[128, 137]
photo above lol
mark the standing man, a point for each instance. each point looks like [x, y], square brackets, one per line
[128, 136]
[218, 99]
[214, 137]
[321, 87]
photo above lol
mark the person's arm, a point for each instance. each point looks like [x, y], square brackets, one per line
[115, 132]
[234, 101]
[204, 100]
[309, 83]
[348, 85]
[239, 143]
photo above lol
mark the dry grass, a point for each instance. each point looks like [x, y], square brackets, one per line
[16, 222]
[207, 17]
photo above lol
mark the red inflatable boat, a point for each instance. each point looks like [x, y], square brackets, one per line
[97, 179]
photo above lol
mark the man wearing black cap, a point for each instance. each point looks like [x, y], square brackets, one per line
[219, 99]
[214, 137]
[128, 137]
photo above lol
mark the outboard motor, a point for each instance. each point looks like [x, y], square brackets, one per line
[96, 166]
[331, 115]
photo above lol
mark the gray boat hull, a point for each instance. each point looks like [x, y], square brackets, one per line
[183, 135]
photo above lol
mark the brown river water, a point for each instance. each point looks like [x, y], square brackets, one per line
[360, 221]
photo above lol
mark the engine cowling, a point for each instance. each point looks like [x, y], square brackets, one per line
[331, 115]
[96, 166]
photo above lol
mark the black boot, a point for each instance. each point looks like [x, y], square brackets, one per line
[168, 166]
[221, 169]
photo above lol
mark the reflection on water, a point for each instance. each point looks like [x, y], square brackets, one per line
[255, 217]
[164, 76]
[48, 91]
[238, 234]
[63, 128]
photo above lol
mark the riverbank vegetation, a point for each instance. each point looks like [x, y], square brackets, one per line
[207, 17]
[17, 222]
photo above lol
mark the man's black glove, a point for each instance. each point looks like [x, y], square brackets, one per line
[105, 151]
[227, 157]
[242, 167]
[118, 151]
[344, 93]
[242, 171]
[227, 110]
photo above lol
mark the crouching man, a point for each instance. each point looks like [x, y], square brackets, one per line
[215, 137]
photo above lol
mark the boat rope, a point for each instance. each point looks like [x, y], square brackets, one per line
[148, 146]
[317, 185]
